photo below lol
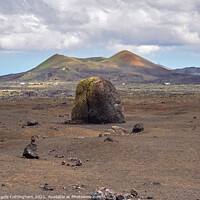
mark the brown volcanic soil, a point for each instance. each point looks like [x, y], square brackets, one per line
[167, 151]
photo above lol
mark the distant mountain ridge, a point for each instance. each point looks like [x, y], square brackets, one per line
[123, 67]
[189, 70]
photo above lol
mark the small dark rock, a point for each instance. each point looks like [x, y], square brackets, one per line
[79, 163]
[63, 162]
[157, 183]
[134, 192]
[149, 197]
[138, 128]
[109, 139]
[120, 197]
[98, 195]
[67, 122]
[74, 159]
[101, 135]
[2, 140]
[46, 187]
[32, 123]
[30, 150]
[3, 184]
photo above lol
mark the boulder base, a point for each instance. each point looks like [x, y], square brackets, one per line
[97, 101]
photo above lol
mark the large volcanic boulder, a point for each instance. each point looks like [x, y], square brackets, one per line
[97, 101]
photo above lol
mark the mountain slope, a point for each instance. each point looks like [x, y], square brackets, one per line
[123, 67]
[56, 61]
[129, 58]
[189, 70]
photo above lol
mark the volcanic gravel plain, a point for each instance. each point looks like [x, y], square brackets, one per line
[162, 162]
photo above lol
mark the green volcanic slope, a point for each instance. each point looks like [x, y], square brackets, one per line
[123, 67]
[57, 61]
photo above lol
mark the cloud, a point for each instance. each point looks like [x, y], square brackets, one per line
[143, 27]
[115, 46]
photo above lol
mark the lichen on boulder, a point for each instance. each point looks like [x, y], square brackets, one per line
[97, 101]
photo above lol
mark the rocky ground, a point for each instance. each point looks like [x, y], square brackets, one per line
[162, 162]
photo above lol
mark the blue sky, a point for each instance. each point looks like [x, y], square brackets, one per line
[165, 32]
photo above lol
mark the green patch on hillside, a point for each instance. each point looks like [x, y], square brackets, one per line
[29, 75]
[58, 61]
[92, 59]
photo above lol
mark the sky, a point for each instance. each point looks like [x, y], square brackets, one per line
[165, 32]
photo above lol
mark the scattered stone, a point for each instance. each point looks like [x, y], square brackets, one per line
[52, 151]
[98, 195]
[79, 163]
[74, 159]
[157, 183]
[36, 136]
[46, 187]
[101, 188]
[155, 137]
[101, 135]
[3, 185]
[120, 197]
[110, 194]
[32, 139]
[117, 130]
[109, 139]
[32, 123]
[2, 139]
[55, 128]
[128, 196]
[63, 162]
[78, 187]
[30, 150]
[134, 192]
[75, 168]
[149, 197]
[67, 122]
[97, 101]
[138, 128]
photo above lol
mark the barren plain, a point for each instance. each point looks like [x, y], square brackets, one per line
[162, 162]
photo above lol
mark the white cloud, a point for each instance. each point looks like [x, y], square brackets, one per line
[140, 26]
[115, 46]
